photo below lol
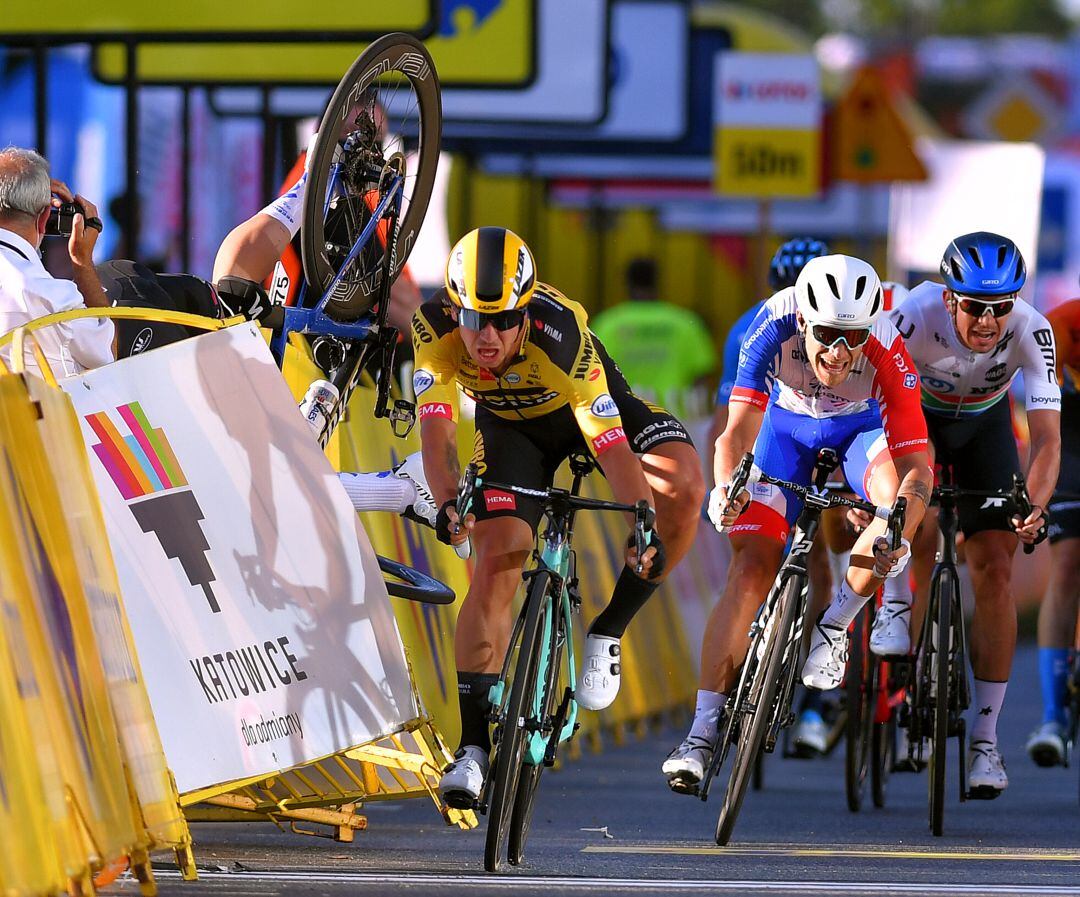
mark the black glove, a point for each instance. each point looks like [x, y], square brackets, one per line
[442, 522]
[659, 560]
[240, 296]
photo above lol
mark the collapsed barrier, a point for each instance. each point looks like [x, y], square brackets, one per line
[86, 830]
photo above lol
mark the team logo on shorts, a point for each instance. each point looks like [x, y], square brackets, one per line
[422, 381]
[141, 341]
[604, 406]
[910, 381]
[497, 500]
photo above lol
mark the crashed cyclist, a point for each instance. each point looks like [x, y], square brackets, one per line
[544, 387]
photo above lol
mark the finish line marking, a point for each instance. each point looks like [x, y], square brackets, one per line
[1051, 856]
[607, 885]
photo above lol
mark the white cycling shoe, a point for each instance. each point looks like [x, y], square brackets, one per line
[686, 765]
[424, 509]
[986, 771]
[810, 736]
[1046, 745]
[827, 658]
[601, 672]
[463, 780]
[891, 635]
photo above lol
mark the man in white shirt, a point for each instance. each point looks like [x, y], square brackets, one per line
[27, 290]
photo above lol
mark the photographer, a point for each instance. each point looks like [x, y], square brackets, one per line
[27, 290]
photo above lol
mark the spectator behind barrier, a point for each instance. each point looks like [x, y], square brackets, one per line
[663, 350]
[28, 291]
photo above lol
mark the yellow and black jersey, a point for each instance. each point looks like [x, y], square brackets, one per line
[558, 365]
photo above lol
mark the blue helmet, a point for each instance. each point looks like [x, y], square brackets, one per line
[983, 264]
[790, 258]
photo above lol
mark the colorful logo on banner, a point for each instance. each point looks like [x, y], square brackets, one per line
[145, 470]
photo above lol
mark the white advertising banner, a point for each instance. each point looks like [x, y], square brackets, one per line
[259, 613]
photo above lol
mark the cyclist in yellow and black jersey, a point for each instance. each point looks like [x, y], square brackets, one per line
[544, 387]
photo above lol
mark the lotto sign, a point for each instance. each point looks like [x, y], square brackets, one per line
[766, 125]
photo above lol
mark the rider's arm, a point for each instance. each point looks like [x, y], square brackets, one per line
[743, 424]
[251, 249]
[1043, 402]
[916, 478]
[1044, 429]
[624, 474]
[435, 385]
[438, 441]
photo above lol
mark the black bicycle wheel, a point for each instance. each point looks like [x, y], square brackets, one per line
[384, 119]
[525, 802]
[860, 710]
[939, 671]
[760, 694]
[511, 735]
[883, 741]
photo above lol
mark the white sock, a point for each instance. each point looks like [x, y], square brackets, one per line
[989, 696]
[845, 607]
[707, 713]
[897, 592]
[378, 491]
[287, 208]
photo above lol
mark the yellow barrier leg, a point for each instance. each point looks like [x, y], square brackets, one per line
[140, 868]
[185, 860]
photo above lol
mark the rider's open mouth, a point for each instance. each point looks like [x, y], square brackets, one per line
[487, 354]
[833, 367]
[983, 334]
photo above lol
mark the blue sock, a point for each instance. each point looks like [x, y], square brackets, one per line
[1053, 681]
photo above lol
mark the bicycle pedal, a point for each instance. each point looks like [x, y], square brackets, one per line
[681, 786]
[983, 792]
[457, 800]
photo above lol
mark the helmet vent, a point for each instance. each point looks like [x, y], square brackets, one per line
[974, 253]
[1001, 255]
[490, 276]
[860, 285]
[956, 272]
[810, 295]
[877, 301]
[832, 285]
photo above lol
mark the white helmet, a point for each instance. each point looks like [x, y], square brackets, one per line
[840, 291]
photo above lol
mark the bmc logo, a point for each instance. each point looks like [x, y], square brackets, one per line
[494, 500]
[608, 439]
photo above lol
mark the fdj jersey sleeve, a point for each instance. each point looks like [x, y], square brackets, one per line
[586, 387]
[896, 389]
[773, 325]
[435, 374]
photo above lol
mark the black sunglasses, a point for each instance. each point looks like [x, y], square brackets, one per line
[500, 320]
[978, 307]
[830, 336]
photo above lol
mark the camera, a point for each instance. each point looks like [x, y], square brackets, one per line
[61, 219]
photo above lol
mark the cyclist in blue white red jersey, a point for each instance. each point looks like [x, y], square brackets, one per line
[968, 339]
[816, 360]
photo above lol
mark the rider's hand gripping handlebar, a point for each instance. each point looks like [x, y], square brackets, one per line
[644, 520]
[466, 489]
[1023, 503]
[739, 480]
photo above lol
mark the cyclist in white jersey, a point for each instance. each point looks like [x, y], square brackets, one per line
[969, 338]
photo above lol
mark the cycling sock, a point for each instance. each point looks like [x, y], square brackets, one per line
[474, 705]
[378, 491]
[989, 696]
[1054, 683]
[629, 596]
[287, 208]
[707, 714]
[897, 592]
[845, 607]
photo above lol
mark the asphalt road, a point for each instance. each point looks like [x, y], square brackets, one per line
[608, 824]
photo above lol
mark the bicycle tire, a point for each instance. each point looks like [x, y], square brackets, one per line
[525, 800]
[394, 53]
[858, 732]
[943, 591]
[507, 766]
[883, 747]
[761, 691]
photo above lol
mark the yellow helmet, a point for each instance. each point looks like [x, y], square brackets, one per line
[490, 270]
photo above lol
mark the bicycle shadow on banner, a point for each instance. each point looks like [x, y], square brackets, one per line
[322, 587]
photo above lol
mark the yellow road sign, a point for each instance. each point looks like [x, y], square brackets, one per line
[766, 162]
[871, 143]
[497, 49]
[279, 18]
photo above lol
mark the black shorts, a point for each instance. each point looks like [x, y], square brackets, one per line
[133, 285]
[1065, 511]
[981, 450]
[529, 452]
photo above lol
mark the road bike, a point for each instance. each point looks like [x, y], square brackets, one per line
[760, 704]
[370, 177]
[939, 691]
[532, 705]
